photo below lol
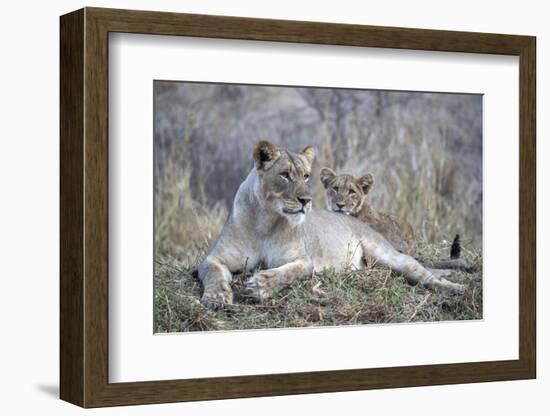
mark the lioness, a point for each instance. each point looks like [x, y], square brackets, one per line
[272, 223]
[347, 194]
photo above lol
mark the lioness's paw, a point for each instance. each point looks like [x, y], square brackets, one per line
[459, 289]
[445, 285]
[455, 288]
[257, 287]
[217, 299]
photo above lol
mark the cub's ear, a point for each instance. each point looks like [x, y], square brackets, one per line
[265, 153]
[309, 154]
[327, 175]
[366, 181]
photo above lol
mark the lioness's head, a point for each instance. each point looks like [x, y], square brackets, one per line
[345, 193]
[283, 180]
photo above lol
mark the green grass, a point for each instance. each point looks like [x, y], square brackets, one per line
[371, 296]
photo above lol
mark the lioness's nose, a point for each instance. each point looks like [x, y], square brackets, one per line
[304, 200]
[340, 205]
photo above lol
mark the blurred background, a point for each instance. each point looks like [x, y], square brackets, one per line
[423, 149]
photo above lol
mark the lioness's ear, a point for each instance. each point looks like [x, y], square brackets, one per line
[366, 181]
[327, 175]
[309, 154]
[265, 153]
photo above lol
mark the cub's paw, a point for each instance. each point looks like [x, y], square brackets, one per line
[217, 298]
[257, 287]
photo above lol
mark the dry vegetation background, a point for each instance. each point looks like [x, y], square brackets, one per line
[424, 150]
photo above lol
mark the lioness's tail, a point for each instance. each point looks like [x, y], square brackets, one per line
[455, 248]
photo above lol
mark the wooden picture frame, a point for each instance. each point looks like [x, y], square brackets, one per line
[84, 207]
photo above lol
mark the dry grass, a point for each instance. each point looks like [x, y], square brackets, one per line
[327, 299]
[185, 224]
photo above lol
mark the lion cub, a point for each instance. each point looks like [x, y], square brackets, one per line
[347, 194]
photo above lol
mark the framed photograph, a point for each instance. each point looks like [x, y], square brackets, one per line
[255, 207]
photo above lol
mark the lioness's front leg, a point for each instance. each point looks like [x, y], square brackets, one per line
[263, 284]
[411, 269]
[215, 277]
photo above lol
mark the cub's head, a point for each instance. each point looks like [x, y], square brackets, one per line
[283, 180]
[345, 193]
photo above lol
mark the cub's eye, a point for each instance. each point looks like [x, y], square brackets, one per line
[306, 177]
[351, 192]
[285, 176]
[335, 188]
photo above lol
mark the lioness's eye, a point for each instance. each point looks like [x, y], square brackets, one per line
[351, 192]
[306, 177]
[285, 175]
[335, 188]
